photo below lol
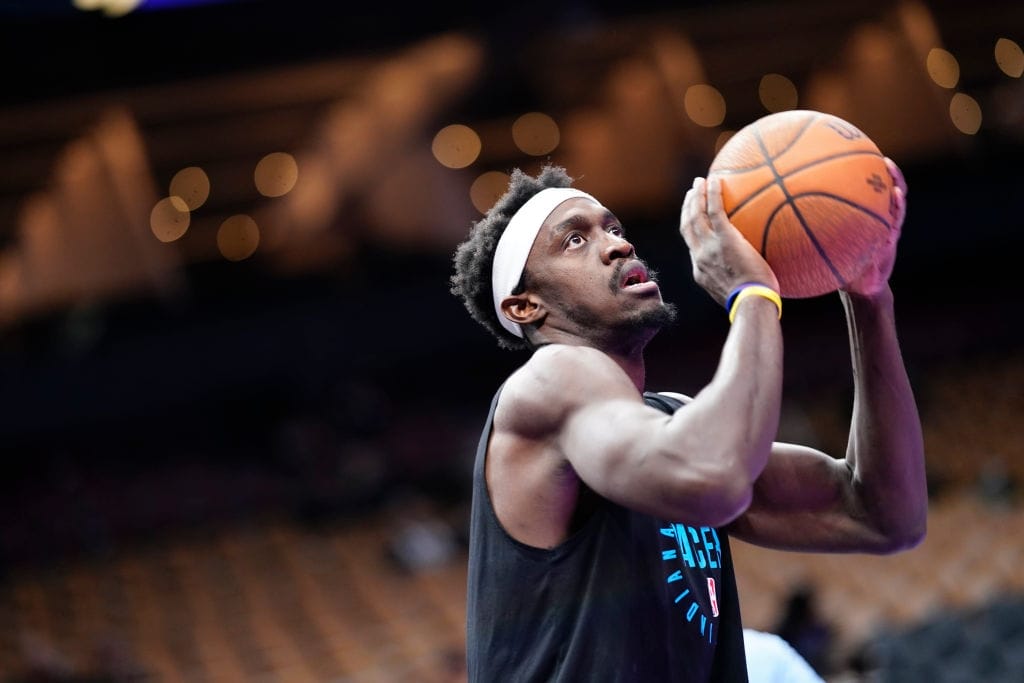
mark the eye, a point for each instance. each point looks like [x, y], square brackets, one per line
[617, 230]
[574, 240]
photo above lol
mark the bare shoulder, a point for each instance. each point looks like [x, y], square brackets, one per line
[557, 380]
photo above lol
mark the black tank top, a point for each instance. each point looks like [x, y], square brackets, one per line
[628, 597]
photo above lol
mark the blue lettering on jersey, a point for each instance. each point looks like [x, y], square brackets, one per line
[713, 547]
[684, 546]
[697, 548]
[694, 608]
[701, 562]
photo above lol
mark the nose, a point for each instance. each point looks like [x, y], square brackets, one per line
[617, 248]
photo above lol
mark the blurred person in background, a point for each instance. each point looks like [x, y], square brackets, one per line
[804, 630]
[601, 516]
[771, 659]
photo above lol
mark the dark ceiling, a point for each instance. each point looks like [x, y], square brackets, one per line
[362, 292]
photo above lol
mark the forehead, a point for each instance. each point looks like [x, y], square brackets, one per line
[572, 212]
[578, 213]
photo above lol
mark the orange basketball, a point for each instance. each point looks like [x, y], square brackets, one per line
[812, 193]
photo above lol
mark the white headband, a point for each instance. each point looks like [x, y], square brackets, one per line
[515, 243]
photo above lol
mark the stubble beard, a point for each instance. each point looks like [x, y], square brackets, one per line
[643, 318]
[652, 318]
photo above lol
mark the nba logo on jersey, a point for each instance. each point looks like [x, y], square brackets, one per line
[712, 597]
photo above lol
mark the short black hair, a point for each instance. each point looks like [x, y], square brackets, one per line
[473, 259]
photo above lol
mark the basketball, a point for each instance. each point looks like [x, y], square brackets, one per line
[812, 193]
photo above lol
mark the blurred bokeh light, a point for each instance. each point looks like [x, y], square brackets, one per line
[943, 68]
[777, 93]
[169, 218]
[276, 174]
[456, 146]
[1009, 57]
[240, 403]
[535, 133]
[192, 185]
[705, 105]
[965, 112]
[238, 237]
[487, 189]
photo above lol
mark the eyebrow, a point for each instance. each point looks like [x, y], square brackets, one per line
[577, 220]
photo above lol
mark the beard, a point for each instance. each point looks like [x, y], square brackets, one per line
[642, 318]
[655, 318]
[651, 318]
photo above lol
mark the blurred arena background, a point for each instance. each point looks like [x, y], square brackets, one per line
[239, 404]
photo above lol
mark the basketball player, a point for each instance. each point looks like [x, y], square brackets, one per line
[601, 516]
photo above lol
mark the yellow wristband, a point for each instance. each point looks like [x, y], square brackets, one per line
[755, 290]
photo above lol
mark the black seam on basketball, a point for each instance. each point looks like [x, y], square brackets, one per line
[838, 155]
[799, 134]
[754, 195]
[778, 181]
[810, 235]
[849, 203]
[747, 169]
[796, 211]
[768, 163]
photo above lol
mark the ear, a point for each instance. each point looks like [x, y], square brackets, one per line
[524, 309]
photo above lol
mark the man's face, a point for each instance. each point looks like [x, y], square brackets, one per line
[589, 275]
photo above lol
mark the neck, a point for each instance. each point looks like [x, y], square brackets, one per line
[633, 365]
[628, 355]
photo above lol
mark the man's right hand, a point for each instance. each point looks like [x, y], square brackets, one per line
[722, 257]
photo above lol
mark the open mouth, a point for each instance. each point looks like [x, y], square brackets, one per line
[635, 274]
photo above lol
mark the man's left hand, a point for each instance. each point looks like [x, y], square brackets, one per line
[875, 276]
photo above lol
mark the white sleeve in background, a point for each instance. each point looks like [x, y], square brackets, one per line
[770, 659]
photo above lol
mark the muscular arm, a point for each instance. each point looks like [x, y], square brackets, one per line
[573, 417]
[874, 500]
[697, 466]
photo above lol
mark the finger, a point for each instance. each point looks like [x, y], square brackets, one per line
[899, 200]
[693, 202]
[688, 216]
[687, 210]
[897, 174]
[716, 210]
[693, 223]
